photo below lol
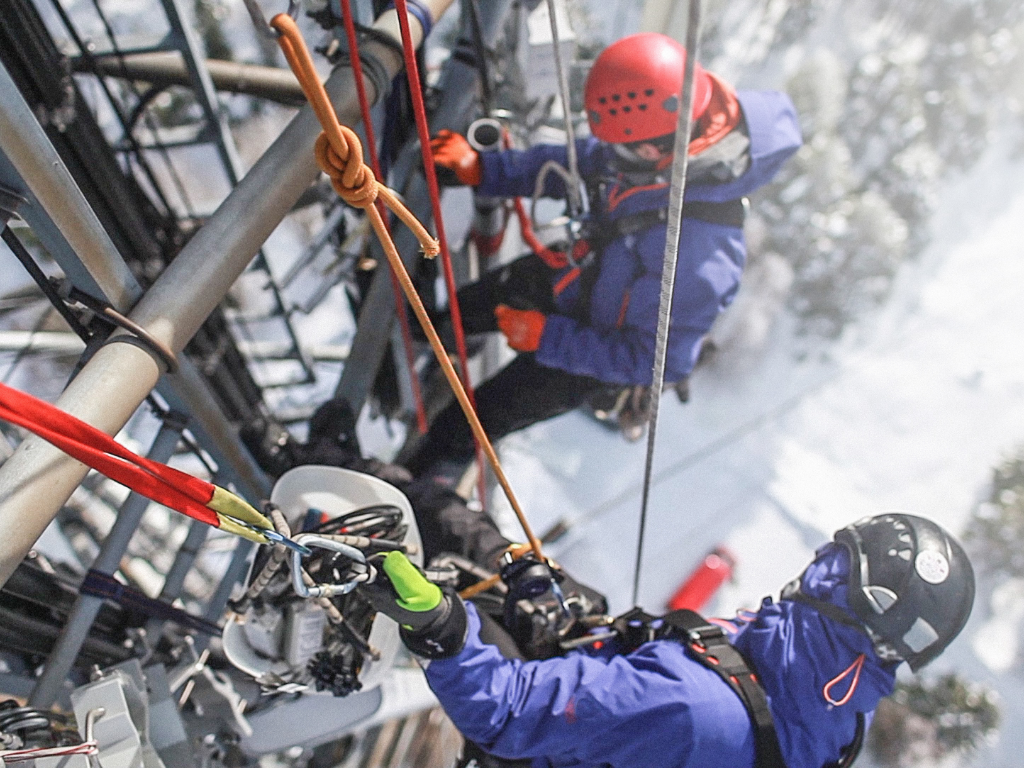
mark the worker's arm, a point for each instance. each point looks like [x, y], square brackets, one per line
[595, 710]
[619, 346]
[513, 172]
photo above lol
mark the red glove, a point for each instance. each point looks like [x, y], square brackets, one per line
[453, 152]
[522, 327]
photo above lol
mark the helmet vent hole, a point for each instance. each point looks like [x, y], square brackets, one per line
[627, 109]
[613, 111]
[641, 107]
[649, 92]
[602, 100]
[628, 131]
[632, 94]
[616, 97]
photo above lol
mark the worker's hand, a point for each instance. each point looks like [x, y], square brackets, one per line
[522, 327]
[452, 152]
[433, 621]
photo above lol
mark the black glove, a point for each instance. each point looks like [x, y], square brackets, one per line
[433, 621]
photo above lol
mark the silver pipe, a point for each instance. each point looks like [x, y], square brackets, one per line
[50, 187]
[38, 478]
[79, 621]
[165, 68]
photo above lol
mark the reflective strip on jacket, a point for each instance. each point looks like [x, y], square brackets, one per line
[657, 708]
[615, 343]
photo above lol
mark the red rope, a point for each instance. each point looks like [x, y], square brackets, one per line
[371, 145]
[412, 72]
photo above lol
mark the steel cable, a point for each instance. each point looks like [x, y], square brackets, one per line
[680, 161]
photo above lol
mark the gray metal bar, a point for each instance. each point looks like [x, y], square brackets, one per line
[203, 87]
[235, 572]
[58, 213]
[183, 561]
[31, 167]
[38, 479]
[82, 615]
[166, 68]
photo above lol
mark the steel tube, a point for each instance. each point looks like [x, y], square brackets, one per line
[51, 188]
[38, 479]
[82, 615]
[166, 68]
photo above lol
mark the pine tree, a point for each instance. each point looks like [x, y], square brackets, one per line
[927, 721]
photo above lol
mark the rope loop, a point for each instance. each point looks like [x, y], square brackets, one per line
[351, 178]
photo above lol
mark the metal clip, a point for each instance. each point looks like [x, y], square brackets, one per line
[260, 21]
[369, 573]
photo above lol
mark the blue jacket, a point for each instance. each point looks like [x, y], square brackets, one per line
[657, 707]
[614, 339]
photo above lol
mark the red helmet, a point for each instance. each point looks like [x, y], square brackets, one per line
[634, 89]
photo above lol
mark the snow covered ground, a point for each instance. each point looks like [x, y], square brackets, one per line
[785, 441]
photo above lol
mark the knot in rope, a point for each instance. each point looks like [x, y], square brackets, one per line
[352, 179]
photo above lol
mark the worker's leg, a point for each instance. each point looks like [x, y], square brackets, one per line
[447, 524]
[522, 393]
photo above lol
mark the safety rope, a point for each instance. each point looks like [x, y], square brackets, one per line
[419, 110]
[371, 146]
[684, 126]
[340, 155]
[161, 483]
[574, 197]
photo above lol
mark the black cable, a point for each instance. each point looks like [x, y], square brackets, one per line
[136, 150]
[39, 278]
[480, 49]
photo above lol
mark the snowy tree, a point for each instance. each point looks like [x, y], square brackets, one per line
[904, 96]
[926, 721]
[996, 529]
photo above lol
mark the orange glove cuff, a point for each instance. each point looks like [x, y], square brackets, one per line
[452, 151]
[522, 327]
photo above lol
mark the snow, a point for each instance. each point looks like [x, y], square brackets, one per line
[784, 442]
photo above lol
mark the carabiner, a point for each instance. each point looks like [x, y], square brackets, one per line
[260, 21]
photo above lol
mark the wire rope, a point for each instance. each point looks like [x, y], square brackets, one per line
[371, 146]
[422, 129]
[684, 126]
[574, 198]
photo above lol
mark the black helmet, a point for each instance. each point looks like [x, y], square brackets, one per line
[911, 584]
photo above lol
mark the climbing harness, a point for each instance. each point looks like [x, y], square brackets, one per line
[339, 154]
[163, 484]
[668, 272]
[706, 644]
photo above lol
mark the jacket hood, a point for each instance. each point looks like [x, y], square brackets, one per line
[774, 136]
[817, 673]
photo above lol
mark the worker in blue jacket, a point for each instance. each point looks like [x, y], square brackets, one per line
[584, 323]
[888, 589]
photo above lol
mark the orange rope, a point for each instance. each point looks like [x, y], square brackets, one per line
[340, 155]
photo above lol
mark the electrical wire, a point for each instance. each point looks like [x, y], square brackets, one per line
[668, 270]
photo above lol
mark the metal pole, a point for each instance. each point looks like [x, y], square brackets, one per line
[55, 208]
[166, 68]
[174, 582]
[235, 572]
[38, 479]
[82, 615]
